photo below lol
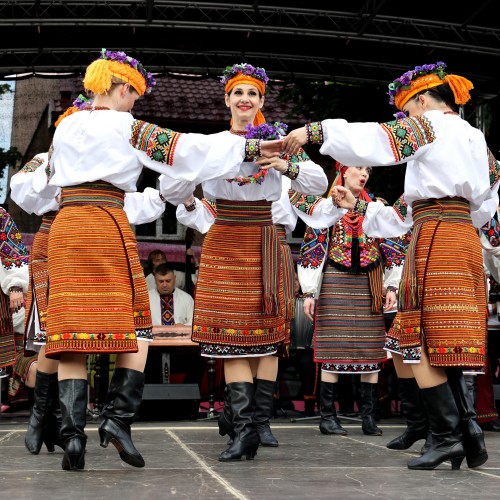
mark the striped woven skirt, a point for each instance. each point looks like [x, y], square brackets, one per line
[7, 341]
[36, 298]
[348, 336]
[239, 302]
[99, 301]
[450, 316]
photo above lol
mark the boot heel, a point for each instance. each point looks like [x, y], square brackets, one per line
[456, 462]
[74, 455]
[105, 438]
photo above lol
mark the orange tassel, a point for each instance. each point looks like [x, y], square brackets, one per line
[68, 112]
[460, 87]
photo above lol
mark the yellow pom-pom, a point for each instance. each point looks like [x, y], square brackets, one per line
[98, 77]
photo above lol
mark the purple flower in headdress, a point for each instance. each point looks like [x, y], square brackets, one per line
[245, 69]
[404, 81]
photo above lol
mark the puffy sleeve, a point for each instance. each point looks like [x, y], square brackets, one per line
[311, 178]
[13, 255]
[371, 143]
[393, 251]
[176, 191]
[312, 258]
[186, 156]
[29, 190]
[144, 207]
[201, 218]
[382, 221]
[316, 211]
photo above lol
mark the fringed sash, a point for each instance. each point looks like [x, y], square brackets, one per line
[288, 273]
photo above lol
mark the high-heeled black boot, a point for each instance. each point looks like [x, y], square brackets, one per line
[225, 420]
[329, 423]
[73, 402]
[472, 434]
[40, 425]
[369, 398]
[246, 439]
[119, 412]
[264, 404]
[412, 411]
[444, 422]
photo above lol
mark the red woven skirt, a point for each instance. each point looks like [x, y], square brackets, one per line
[239, 294]
[99, 301]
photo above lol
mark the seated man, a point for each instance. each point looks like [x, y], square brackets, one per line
[169, 305]
[157, 257]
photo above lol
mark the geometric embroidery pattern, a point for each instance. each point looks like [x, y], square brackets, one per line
[408, 135]
[159, 143]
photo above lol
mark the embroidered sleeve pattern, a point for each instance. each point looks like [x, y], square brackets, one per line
[313, 249]
[210, 205]
[393, 251]
[159, 143]
[408, 135]
[32, 165]
[13, 252]
[304, 203]
[401, 208]
[494, 167]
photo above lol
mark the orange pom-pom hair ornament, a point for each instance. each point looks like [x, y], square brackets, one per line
[98, 76]
[402, 89]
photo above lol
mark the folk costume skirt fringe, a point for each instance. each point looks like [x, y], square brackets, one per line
[99, 301]
[36, 298]
[348, 335]
[21, 367]
[239, 305]
[288, 278]
[449, 317]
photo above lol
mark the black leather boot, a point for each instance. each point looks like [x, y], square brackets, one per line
[40, 426]
[329, 423]
[73, 402]
[119, 412]
[369, 398]
[412, 411]
[444, 422]
[264, 404]
[472, 434]
[225, 420]
[246, 439]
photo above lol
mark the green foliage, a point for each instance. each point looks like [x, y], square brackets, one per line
[9, 158]
[4, 88]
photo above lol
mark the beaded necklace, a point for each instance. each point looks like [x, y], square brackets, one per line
[257, 178]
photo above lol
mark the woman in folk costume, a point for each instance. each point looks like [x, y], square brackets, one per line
[285, 220]
[44, 424]
[13, 286]
[240, 312]
[98, 295]
[347, 272]
[442, 299]
[412, 408]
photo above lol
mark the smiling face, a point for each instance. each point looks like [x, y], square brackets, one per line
[356, 178]
[244, 101]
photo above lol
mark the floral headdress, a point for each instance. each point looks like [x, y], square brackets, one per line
[245, 73]
[98, 74]
[244, 69]
[425, 77]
